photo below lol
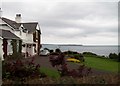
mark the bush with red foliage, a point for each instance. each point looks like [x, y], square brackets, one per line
[20, 69]
[63, 70]
[59, 60]
[80, 72]
[56, 59]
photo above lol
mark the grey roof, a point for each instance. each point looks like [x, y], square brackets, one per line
[30, 26]
[8, 35]
[13, 24]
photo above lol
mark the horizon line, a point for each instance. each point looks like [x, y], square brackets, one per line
[83, 44]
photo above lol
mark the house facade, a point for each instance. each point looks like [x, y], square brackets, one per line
[6, 38]
[29, 33]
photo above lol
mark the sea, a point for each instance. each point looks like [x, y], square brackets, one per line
[102, 50]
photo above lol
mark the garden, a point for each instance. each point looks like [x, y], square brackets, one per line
[21, 71]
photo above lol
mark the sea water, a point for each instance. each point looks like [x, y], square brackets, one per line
[99, 50]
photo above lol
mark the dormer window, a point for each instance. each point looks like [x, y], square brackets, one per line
[25, 30]
[22, 27]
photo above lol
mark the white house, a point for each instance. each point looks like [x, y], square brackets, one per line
[5, 42]
[28, 32]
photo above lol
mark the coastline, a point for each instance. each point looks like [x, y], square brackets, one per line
[97, 49]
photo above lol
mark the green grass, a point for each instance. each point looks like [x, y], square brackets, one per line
[50, 72]
[101, 63]
[90, 61]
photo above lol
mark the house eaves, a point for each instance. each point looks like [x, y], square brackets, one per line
[8, 35]
[30, 26]
[11, 23]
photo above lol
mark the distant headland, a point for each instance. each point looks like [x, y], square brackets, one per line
[70, 45]
[65, 44]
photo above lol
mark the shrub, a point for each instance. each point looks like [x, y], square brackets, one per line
[59, 60]
[56, 59]
[46, 49]
[102, 80]
[89, 53]
[57, 50]
[80, 72]
[114, 56]
[119, 57]
[79, 57]
[51, 51]
[20, 69]
[70, 52]
[64, 70]
[15, 56]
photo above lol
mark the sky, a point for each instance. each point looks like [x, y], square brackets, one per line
[93, 22]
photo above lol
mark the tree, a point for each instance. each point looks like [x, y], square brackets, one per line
[119, 57]
[113, 56]
[51, 51]
[57, 50]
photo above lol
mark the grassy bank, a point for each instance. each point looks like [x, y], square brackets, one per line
[50, 72]
[101, 63]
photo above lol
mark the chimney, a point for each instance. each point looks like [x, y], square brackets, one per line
[18, 18]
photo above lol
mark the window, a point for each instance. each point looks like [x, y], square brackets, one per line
[24, 30]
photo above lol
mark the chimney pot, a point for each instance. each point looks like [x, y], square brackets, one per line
[18, 18]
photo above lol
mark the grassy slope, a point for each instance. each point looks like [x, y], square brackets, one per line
[102, 64]
[90, 61]
[50, 72]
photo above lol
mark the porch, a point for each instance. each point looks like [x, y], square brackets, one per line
[29, 49]
[9, 43]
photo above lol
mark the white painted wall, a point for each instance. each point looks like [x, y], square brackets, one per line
[24, 36]
[37, 27]
[17, 33]
[30, 51]
[1, 49]
[18, 18]
[24, 49]
[9, 48]
[5, 28]
[29, 37]
[1, 21]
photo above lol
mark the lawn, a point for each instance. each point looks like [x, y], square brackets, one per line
[90, 61]
[50, 72]
[102, 64]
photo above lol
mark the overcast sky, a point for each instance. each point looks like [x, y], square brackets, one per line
[69, 22]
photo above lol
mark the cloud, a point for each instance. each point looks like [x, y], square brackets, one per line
[70, 22]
